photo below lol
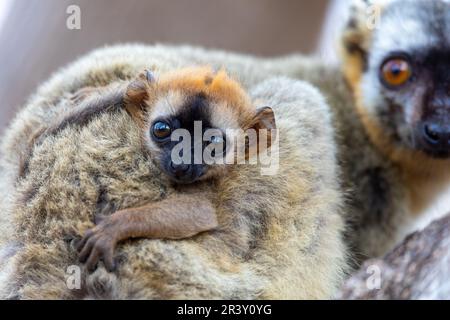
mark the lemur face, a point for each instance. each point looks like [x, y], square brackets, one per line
[191, 119]
[405, 74]
[181, 131]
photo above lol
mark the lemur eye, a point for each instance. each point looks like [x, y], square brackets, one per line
[161, 130]
[396, 72]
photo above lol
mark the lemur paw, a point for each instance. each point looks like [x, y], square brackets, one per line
[98, 244]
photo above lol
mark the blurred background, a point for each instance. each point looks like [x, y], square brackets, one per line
[35, 40]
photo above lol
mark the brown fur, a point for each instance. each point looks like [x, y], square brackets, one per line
[178, 216]
[278, 237]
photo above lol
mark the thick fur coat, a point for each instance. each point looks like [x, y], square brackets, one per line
[280, 236]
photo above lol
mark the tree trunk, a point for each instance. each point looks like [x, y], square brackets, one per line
[419, 268]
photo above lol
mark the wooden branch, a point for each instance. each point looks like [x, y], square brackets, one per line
[419, 268]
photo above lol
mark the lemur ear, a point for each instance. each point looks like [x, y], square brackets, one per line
[137, 90]
[356, 38]
[264, 124]
[264, 119]
[356, 32]
[136, 94]
[364, 16]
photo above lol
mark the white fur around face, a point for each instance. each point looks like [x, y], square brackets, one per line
[410, 27]
[404, 27]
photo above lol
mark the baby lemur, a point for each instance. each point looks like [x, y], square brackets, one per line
[176, 101]
[179, 100]
[275, 236]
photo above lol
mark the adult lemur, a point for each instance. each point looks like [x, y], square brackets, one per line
[391, 102]
[394, 122]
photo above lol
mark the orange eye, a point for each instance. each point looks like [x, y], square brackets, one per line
[396, 72]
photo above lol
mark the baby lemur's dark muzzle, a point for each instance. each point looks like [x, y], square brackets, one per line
[185, 173]
[179, 170]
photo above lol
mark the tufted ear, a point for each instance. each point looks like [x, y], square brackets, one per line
[137, 90]
[264, 124]
[263, 119]
[364, 16]
[356, 32]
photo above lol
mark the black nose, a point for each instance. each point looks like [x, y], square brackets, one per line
[437, 135]
[179, 169]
